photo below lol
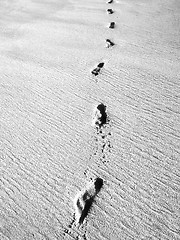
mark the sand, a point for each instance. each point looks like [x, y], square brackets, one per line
[49, 148]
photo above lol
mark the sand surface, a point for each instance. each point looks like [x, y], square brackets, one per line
[49, 149]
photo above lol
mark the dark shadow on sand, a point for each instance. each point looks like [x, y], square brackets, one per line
[103, 119]
[88, 202]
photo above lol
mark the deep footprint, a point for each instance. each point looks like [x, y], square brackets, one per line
[112, 25]
[96, 71]
[84, 200]
[100, 116]
[109, 43]
[110, 11]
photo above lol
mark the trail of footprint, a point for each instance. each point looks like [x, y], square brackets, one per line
[110, 11]
[96, 71]
[84, 200]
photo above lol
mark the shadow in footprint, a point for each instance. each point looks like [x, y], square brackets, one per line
[98, 184]
[112, 25]
[100, 116]
[85, 199]
[86, 209]
[96, 71]
[100, 65]
[109, 43]
[110, 1]
[110, 11]
[103, 118]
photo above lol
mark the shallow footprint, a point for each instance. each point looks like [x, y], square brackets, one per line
[110, 11]
[109, 43]
[84, 200]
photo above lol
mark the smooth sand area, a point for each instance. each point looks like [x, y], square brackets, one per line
[49, 148]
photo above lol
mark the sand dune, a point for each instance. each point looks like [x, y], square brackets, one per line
[50, 96]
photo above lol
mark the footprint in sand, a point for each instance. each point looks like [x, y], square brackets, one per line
[100, 116]
[110, 11]
[110, 1]
[109, 43]
[85, 198]
[100, 65]
[112, 25]
[96, 71]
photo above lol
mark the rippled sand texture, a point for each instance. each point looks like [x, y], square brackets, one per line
[49, 149]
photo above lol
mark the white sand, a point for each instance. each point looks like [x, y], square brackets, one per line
[48, 49]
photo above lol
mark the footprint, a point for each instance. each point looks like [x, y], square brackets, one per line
[112, 25]
[100, 116]
[110, 1]
[84, 200]
[110, 11]
[101, 65]
[96, 71]
[109, 43]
